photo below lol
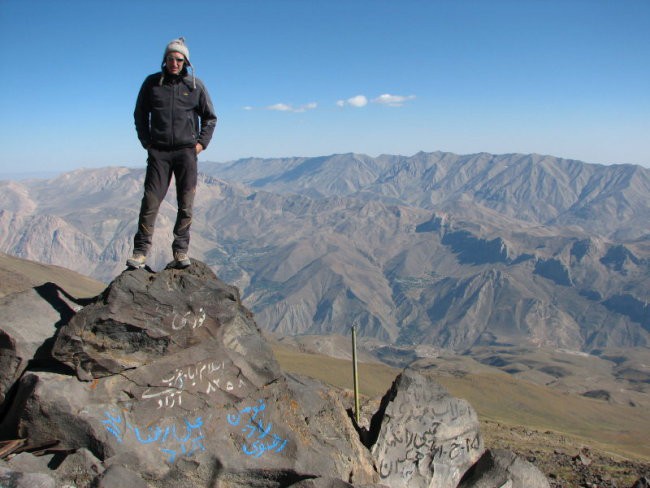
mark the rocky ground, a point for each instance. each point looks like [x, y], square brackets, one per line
[565, 460]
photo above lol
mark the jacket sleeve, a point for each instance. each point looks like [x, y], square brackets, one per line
[141, 115]
[208, 117]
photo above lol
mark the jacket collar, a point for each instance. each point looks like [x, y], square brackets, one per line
[185, 78]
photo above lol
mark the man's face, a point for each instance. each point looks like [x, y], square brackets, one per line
[174, 63]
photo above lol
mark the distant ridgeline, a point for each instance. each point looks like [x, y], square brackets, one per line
[437, 248]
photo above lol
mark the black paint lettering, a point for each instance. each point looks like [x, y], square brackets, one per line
[385, 469]
[455, 451]
[437, 452]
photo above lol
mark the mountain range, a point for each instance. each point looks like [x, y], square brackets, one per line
[454, 251]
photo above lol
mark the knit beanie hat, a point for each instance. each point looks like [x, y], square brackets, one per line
[178, 46]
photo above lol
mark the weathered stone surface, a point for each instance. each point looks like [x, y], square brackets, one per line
[28, 321]
[338, 440]
[175, 383]
[120, 477]
[322, 483]
[286, 427]
[79, 469]
[425, 437]
[142, 317]
[17, 479]
[499, 468]
[643, 482]
[28, 463]
[331, 483]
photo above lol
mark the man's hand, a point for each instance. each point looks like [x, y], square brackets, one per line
[198, 148]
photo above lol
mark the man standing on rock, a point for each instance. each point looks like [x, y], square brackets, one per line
[174, 119]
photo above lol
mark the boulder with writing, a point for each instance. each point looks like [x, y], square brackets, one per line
[143, 317]
[422, 436]
[174, 383]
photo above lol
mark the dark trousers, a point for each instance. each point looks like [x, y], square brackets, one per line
[161, 164]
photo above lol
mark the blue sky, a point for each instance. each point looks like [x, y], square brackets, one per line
[569, 78]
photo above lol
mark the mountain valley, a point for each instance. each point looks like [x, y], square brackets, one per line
[456, 252]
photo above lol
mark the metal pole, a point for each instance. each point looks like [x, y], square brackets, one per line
[356, 374]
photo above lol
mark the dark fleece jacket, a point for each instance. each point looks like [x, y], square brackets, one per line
[173, 114]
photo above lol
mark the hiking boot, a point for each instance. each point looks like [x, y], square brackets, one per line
[181, 260]
[136, 261]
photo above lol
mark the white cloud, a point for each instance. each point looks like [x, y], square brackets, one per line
[308, 106]
[358, 101]
[280, 107]
[284, 107]
[393, 100]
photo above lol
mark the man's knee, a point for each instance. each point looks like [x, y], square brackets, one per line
[151, 200]
[186, 199]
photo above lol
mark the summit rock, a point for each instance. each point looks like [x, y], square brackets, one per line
[174, 382]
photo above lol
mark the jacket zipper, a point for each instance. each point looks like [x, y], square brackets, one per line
[174, 85]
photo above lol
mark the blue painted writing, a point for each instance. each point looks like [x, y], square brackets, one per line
[171, 439]
[114, 425]
[235, 419]
[260, 435]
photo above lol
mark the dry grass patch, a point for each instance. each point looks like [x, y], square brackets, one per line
[18, 274]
